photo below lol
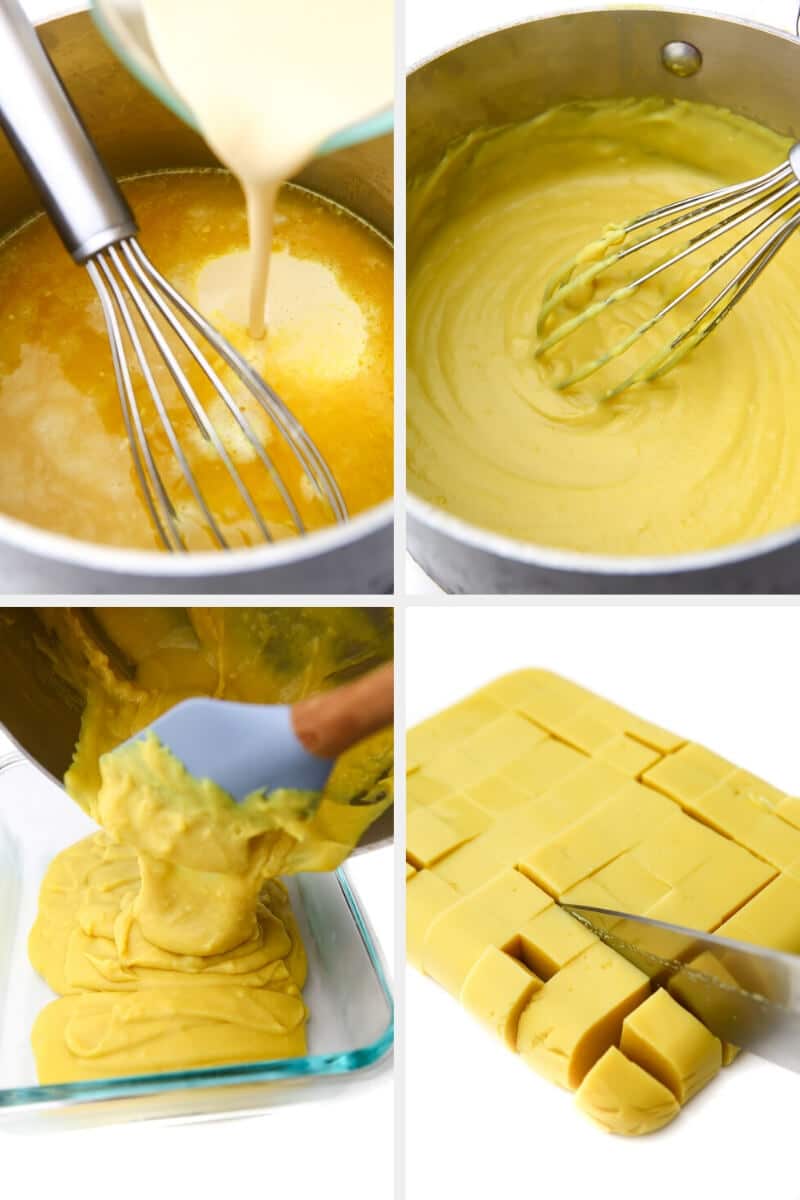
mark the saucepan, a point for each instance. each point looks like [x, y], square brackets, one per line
[513, 74]
[135, 133]
[41, 714]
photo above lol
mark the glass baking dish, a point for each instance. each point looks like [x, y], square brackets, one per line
[350, 1032]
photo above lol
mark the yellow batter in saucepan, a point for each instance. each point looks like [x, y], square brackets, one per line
[705, 456]
[167, 936]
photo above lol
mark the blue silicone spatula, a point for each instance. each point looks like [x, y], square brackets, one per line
[246, 747]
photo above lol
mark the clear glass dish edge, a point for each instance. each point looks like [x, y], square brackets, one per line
[343, 1063]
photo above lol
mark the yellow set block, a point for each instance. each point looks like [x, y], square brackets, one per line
[755, 790]
[623, 1098]
[491, 749]
[672, 1045]
[729, 810]
[429, 838]
[711, 893]
[623, 721]
[788, 809]
[632, 887]
[496, 990]
[586, 731]
[552, 701]
[425, 741]
[420, 790]
[442, 826]
[578, 1014]
[492, 915]
[552, 939]
[688, 773]
[629, 756]
[772, 918]
[496, 795]
[534, 788]
[607, 831]
[539, 769]
[426, 897]
[682, 989]
[528, 823]
[678, 848]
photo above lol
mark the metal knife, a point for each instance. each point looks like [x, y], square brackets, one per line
[747, 995]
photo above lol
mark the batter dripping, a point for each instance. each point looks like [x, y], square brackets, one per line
[167, 935]
[268, 83]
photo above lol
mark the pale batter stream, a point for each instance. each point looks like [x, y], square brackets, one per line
[169, 938]
[708, 455]
[268, 82]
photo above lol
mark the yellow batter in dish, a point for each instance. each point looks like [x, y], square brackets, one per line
[705, 456]
[66, 464]
[167, 935]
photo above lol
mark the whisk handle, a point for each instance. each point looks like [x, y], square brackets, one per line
[80, 197]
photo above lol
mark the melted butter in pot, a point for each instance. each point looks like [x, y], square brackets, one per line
[65, 463]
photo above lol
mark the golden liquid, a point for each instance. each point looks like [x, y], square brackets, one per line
[66, 463]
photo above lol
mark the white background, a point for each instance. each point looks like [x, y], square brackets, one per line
[434, 25]
[479, 1123]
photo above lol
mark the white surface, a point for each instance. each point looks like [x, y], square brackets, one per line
[344, 1145]
[435, 25]
[478, 1122]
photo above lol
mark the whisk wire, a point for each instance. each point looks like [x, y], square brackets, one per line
[646, 371]
[192, 401]
[119, 287]
[303, 447]
[776, 191]
[144, 463]
[147, 472]
[696, 243]
[214, 379]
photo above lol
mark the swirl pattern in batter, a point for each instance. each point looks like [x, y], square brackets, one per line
[703, 457]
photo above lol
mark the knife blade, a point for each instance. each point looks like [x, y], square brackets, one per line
[745, 994]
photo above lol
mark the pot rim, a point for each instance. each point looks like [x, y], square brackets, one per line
[551, 557]
[535, 555]
[31, 539]
[611, 9]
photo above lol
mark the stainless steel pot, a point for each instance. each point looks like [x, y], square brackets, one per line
[41, 714]
[135, 133]
[513, 74]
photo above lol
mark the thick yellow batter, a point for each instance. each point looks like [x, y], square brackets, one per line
[705, 456]
[66, 465]
[167, 935]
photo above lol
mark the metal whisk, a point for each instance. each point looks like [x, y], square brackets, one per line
[775, 194]
[99, 230]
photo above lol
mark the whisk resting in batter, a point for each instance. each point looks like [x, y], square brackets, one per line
[150, 325]
[765, 211]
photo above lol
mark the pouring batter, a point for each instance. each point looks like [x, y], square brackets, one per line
[705, 456]
[268, 83]
[167, 935]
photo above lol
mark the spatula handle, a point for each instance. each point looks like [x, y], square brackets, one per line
[328, 724]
